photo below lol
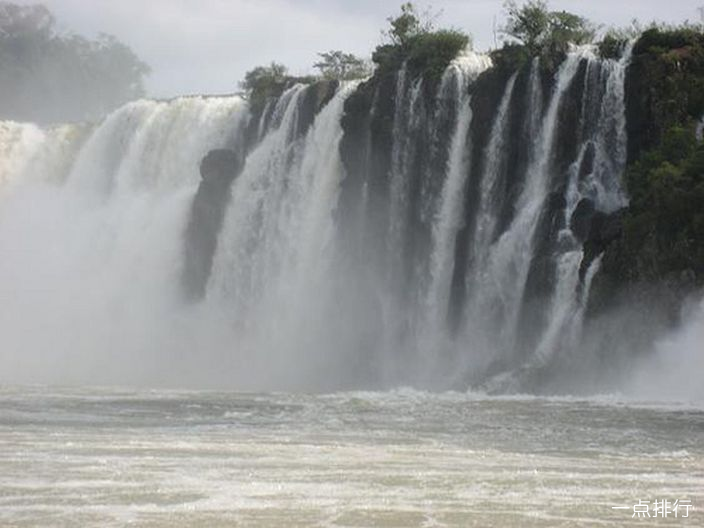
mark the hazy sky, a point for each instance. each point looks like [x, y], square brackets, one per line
[205, 46]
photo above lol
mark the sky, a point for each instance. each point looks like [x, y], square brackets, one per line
[206, 46]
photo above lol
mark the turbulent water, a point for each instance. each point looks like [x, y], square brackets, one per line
[402, 459]
[429, 244]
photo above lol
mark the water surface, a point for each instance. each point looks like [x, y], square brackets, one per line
[115, 457]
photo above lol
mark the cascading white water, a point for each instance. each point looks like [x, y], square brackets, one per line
[271, 277]
[30, 153]
[448, 221]
[287, 303]
[248, 254]
[406, 99]
[460, 73]
[490, 185]
[90, 267]
[603, 185]
[497, 291]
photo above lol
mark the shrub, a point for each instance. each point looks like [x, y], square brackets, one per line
[263, 82]
[658, 39]
[426, 51]
[340, 66]
[664, 226]
[510, 57]
[545, 32]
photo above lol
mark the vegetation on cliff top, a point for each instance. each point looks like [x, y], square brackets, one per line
[264, 82]
[413, 40]
[533, 30]
[543, 31]
[336, 65]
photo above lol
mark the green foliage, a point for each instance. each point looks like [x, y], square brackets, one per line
[432, 52]
[510, 57]
[264, 79]
[528, 24]
[664, 226]
[661, 38]
[663, 235]
[340, 66]
[566, 28]
[670, 67]
[45, 76]
[264, 82]
[408, 25]
[415, 41]
[544, 32]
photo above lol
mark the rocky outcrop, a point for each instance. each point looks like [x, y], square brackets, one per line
[599, 230]
[218, 169]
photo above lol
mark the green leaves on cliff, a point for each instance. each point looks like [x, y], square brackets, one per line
[533, 30]
[264, 78]
[415, 41]
[336, 65]
[664, 227]
[263, 82]
[543, 31]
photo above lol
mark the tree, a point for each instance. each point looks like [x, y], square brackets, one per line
[337, 65]
[409, 24]
[543, 31]
[413, 40]
[48, 77]
[528, 24]
[570, 28]
[263, 79]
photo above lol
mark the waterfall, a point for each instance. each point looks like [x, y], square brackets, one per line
[491, 180]
[281, 209]
[602, 185]
[277, 244]
[449, 217]
[448, 221]
[399, 230]
[92, 238]
[497, 292]
[28, 152]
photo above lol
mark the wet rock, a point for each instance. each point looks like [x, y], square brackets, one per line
[218, 169]
[581, 220]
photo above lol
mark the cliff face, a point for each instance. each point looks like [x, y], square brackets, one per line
[608, 145]
[475, 216]
[655, 243]
[653, 251]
